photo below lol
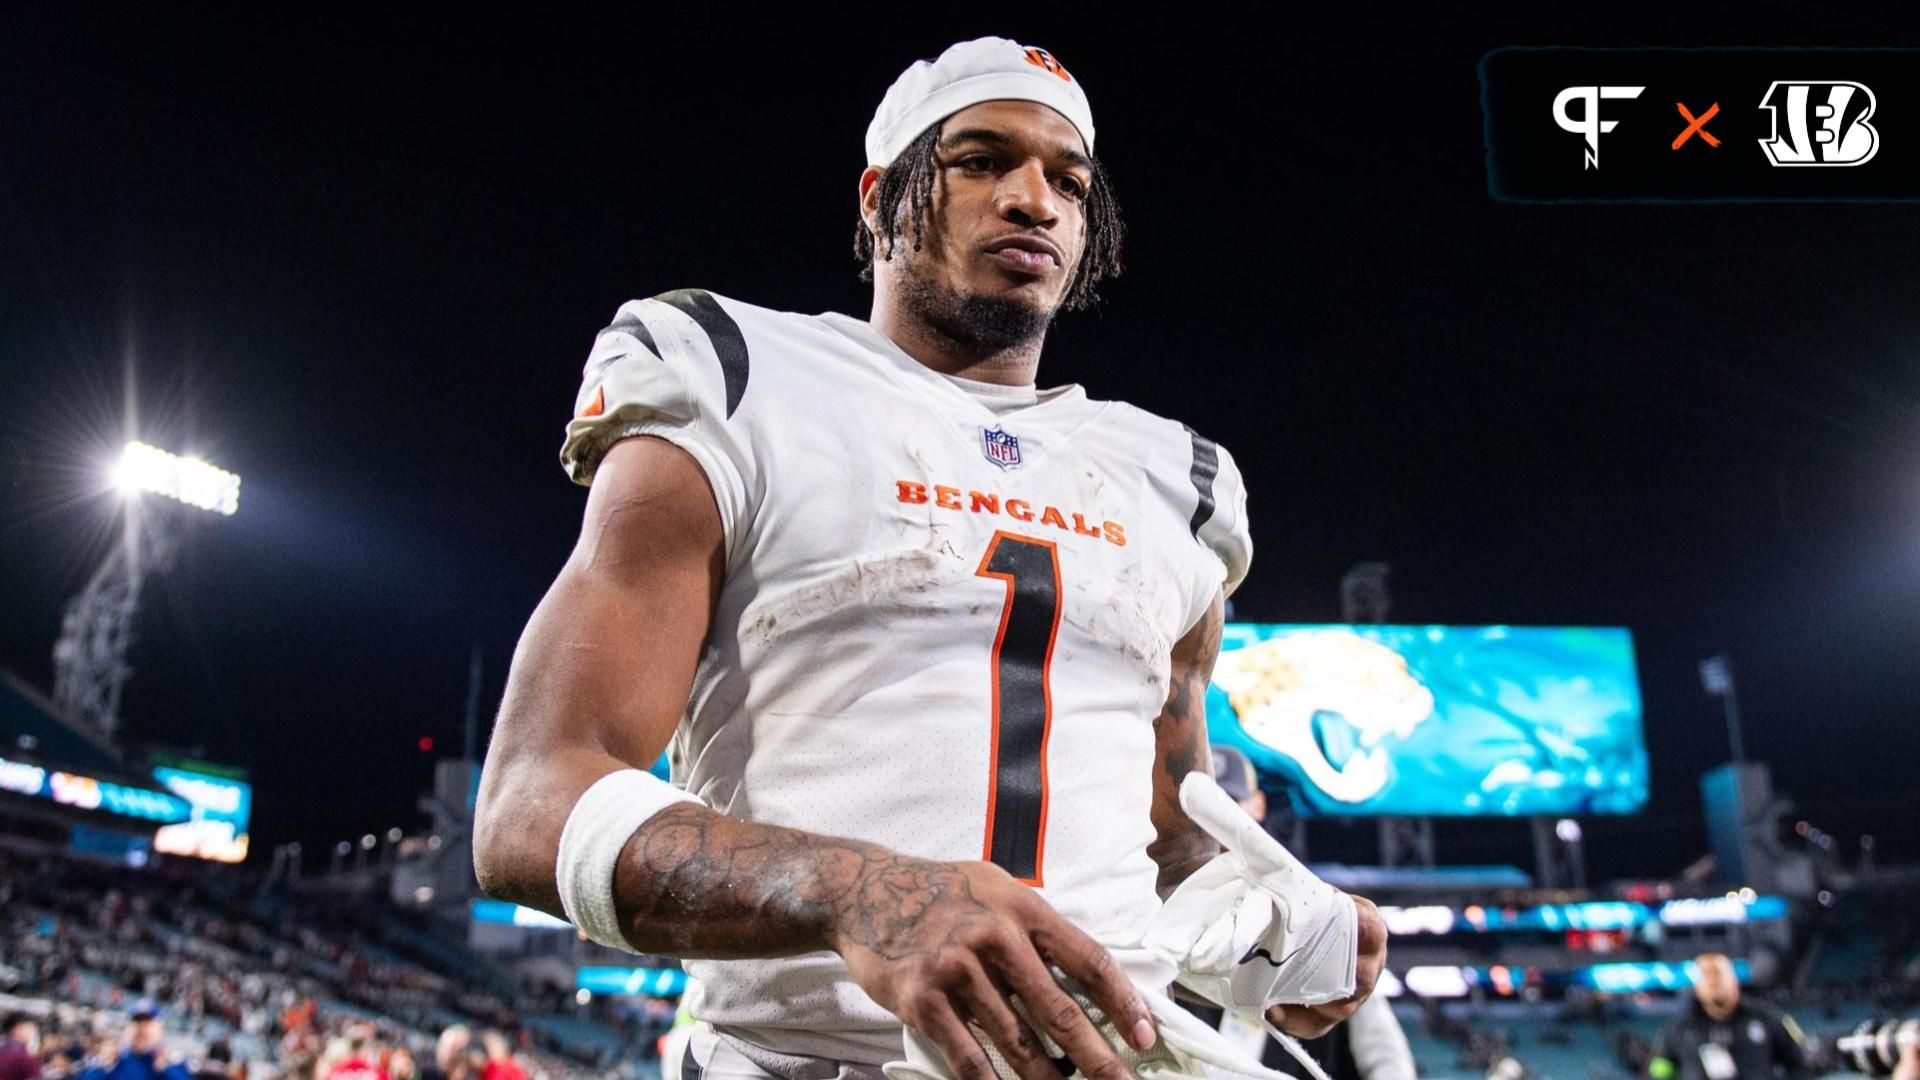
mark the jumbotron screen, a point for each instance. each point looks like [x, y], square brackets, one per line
[1435, 720]
[221, 807]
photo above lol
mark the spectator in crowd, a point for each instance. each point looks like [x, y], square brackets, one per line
[1721, 1037]
[20, 1048]
[355, 1061]
[449, 1055]
[61, 1056]
[142, 1055]
[1234, 771]
[500, 1062]
[400, 1065]
[218, 1064]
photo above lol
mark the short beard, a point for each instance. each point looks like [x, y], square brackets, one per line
[990, 324]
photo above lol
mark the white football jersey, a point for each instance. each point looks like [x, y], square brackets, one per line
[942, 630]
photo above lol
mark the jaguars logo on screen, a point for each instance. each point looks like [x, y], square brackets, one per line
[1418, 720]
[1329, 700]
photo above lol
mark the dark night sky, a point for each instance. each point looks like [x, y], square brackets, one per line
[361, 263]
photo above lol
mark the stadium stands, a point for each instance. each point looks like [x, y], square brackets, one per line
[279, 972]
[274, 974]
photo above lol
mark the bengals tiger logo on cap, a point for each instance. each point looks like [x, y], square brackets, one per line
[1041, 58]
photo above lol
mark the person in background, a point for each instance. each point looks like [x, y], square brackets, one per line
[1371, 1044]
[400, 1065]
[61, 1057]
[218, 1063]
[357, 1062]
[143, 1054]
[20, 1048]
[1234, 772]
[500, 1062]
[1721, 1037]
[449, 1055]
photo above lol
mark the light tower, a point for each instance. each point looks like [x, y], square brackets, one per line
[90, 657]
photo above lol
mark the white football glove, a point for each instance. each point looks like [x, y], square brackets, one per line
[1254, 927]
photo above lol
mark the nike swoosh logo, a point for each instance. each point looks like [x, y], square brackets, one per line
[1263, 954]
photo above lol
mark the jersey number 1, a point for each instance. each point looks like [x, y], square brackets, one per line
[1022, 701]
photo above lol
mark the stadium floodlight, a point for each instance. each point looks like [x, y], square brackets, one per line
[90, 656]
[144, 468]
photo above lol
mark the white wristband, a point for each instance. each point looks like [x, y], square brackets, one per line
[601, 823]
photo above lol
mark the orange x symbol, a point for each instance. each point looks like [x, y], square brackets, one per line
[1699, 125]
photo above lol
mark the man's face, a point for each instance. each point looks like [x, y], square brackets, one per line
[26, 1034]
[147, 1035]
[1718, 988]
[1008, 225]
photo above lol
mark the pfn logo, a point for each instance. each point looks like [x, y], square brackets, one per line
[1826, 124]
[1589, 124]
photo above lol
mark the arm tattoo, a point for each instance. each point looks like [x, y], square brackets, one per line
[700, 885]
[1180, 847]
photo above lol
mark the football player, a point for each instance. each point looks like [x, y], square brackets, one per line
[928, 646]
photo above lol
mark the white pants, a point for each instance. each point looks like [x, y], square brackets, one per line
[713, 1056]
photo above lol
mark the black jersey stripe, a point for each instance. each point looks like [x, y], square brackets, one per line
[729, 345]
[1206, 466]
[635, 326]
[1022, 704]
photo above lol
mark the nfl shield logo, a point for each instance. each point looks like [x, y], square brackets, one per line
[1000, 448]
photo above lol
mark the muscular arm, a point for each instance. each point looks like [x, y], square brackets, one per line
[696, 884]
[599, 683]
[602, 672]
[1180, 746]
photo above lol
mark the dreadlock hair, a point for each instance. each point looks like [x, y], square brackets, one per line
[906, 189]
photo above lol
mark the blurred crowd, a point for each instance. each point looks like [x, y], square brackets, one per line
[67, 1043]
[184, 971]
[171, 972]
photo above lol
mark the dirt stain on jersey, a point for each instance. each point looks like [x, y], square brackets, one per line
[865, 583]
[1091, 485]
[1122, 619]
